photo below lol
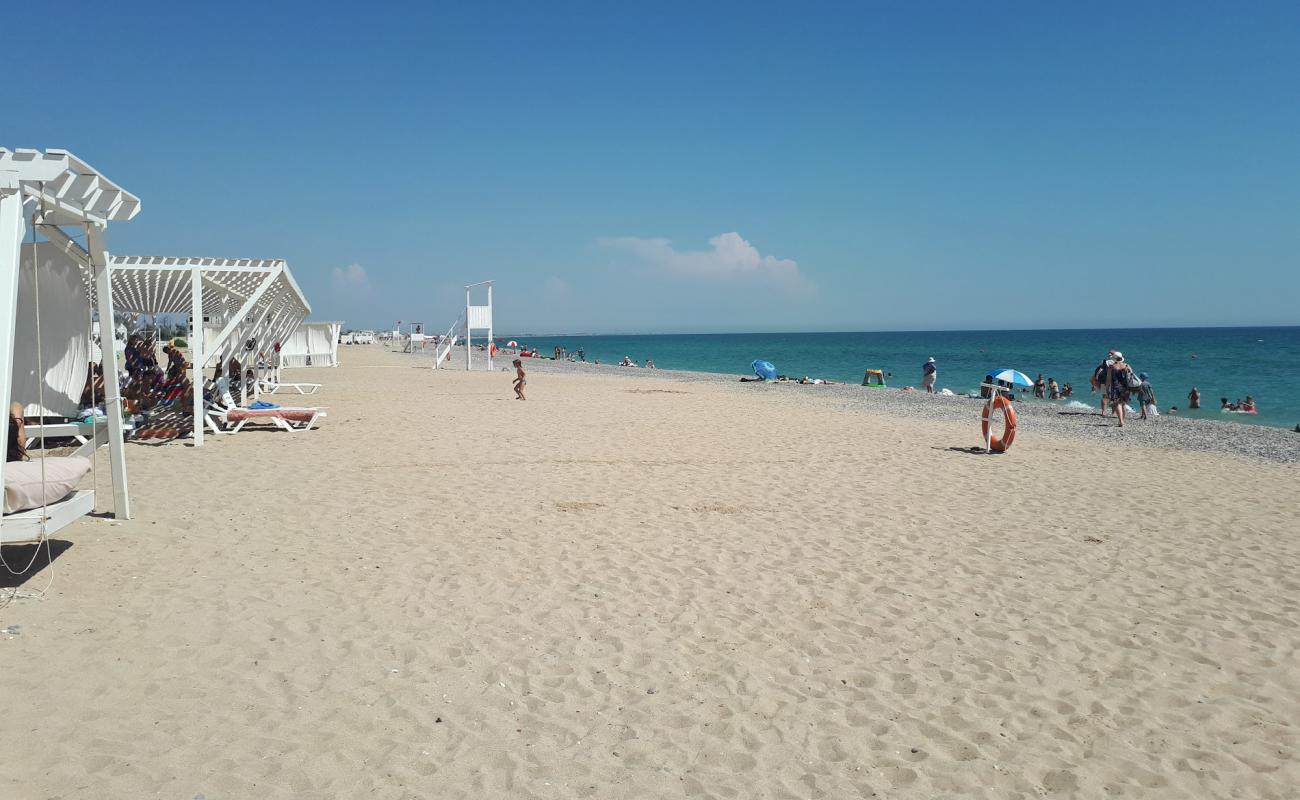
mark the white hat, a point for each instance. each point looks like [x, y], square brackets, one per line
[930, 360]
[1117, 355]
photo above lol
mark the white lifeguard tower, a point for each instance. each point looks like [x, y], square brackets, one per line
[477, 318]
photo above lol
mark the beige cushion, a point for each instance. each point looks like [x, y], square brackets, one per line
[23, 481]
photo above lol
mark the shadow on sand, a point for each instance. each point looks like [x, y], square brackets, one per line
[970, 451]
[32, 559]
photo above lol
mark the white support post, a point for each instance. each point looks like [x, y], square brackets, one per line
[489, 350]
[11, 248]
[198, 354]
[112, 392]
[469, 332]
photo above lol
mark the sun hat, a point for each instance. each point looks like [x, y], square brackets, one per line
[930, 360]
[1142, 376]
[1117, 355]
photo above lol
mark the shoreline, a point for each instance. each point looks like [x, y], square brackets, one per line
[1227, 437]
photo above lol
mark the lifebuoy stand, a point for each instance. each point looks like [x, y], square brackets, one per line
[996, 401]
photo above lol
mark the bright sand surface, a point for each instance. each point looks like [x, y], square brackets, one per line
[634, 588]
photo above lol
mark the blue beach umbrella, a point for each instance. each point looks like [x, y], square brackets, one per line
[764, 370]
[1011, 376]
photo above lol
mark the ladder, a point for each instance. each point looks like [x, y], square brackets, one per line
[443, 352]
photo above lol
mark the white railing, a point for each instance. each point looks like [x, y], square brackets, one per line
[443, 351]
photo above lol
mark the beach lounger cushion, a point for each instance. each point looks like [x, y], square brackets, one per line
[290, 414]
[232, 420]
[23, 482]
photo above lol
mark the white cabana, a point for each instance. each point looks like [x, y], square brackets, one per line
[49, 191]
[251, 304]
[313, 344]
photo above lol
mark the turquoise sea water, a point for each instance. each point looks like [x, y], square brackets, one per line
[1221, 362]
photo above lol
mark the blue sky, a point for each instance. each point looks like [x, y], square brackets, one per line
[746, 167]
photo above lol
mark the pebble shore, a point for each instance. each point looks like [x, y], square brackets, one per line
[1181, 433]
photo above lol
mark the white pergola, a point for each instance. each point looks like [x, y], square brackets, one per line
[53, 190]
[243, 299]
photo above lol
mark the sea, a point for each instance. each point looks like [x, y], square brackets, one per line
[1222, 362]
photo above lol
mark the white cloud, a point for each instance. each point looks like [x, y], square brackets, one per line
[352, 279]
[731, 256]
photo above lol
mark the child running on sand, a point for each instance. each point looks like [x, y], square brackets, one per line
[520, 380]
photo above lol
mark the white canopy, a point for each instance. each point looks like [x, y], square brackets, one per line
[257, 296]
[253, 301]
[50, 190]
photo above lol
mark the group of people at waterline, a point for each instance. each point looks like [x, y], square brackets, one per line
[1114, 378]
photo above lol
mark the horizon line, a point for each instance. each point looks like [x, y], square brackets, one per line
[900, 330]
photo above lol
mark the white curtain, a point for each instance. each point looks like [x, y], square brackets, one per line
[59, 375]
[314, 341]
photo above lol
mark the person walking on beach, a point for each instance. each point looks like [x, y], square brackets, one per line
[1194, 398]
[521, 380]
[1119, 382]
[929, 373]
[1147, 397]
[1099, 380]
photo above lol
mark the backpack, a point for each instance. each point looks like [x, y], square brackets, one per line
[1131, 379]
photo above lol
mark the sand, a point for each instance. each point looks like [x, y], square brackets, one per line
[632, 588]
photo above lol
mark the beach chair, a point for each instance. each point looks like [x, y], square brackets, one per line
[230, 418]
[265, 386]
[233, 420]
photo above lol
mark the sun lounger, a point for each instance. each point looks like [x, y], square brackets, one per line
[233, 420]
[274, 387]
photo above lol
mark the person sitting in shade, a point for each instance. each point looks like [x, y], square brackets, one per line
[93, 392]
[175, 361]
[17, 448]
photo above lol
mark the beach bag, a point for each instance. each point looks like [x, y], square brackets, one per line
[1099, 376]
[1131, 379]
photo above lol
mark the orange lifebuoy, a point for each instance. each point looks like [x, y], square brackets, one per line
[1003, 444]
